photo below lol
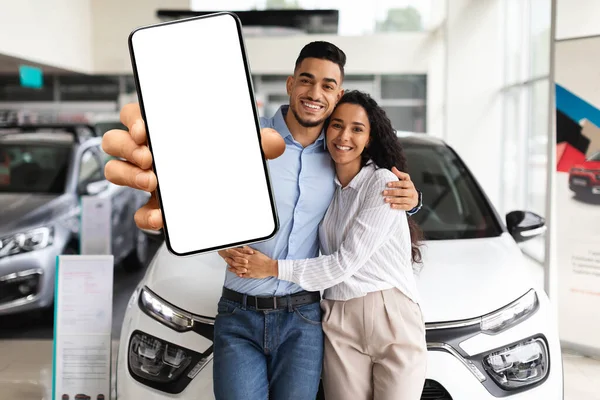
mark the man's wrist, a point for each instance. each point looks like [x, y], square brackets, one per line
[274, 268]
[418, 206]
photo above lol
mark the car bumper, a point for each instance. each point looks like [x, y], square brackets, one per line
[584, 183]
[444, 368]
[38, 266]
[460, 383]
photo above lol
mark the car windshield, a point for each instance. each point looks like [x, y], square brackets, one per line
[453, 206]
[33, 167]
[595, 157]
[103, 127]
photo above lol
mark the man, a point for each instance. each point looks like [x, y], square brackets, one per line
[268, 336]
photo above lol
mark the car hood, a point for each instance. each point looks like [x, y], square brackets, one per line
[468, 278]
[460, 279]
[588, 165]
[192, 283]
[20, 211]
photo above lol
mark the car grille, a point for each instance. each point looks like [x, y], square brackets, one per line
[431, 391]
[434, 391]
[18, 287]
[580, 178]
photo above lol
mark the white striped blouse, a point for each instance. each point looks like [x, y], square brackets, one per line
[365, 244]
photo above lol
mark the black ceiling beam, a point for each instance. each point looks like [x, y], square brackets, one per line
[290, 18]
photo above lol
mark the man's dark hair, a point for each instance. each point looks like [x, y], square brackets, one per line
[323, 51]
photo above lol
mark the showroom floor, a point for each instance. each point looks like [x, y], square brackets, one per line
[26, 372]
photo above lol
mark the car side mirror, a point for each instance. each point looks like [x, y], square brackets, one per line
[92, 188]
[525, 225]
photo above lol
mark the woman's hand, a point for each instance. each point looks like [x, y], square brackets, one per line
[249, 263]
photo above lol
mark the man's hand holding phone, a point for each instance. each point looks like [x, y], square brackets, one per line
[134, 167]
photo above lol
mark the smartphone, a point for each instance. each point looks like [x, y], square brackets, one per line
[194, 87]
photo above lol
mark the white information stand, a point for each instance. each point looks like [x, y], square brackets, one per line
[82, 327]
[96, 220]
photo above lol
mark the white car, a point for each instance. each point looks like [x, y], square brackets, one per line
[490, 330]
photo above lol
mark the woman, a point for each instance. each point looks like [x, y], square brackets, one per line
[374, 331]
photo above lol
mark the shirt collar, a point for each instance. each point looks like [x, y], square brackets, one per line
[362, 175]
[280, 126]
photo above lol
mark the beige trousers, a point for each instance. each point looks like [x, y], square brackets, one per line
[375, 348]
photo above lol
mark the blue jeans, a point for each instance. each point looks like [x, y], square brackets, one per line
[267, 354]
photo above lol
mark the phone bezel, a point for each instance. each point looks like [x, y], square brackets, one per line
[256, 120]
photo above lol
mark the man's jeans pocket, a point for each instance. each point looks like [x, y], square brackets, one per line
[226, 308]
[310, 313]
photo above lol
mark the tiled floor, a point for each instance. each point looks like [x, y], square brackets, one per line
[26, 372]
[582, 377]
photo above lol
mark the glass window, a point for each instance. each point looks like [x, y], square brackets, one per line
[33, 168]
[539, 35]
[538, 148]
[91, 167]
[403, 87]
[355, 18]
[454, 207]
[407, 118]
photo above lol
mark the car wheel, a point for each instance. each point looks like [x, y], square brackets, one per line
[138, 257]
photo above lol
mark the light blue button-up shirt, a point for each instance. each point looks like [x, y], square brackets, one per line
[303, 181]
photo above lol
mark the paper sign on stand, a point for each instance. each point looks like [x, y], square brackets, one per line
[96, 220]
[82, 327]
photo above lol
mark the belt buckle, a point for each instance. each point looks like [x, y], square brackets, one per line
[265, 309]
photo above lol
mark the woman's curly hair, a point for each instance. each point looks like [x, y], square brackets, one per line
[384, 149]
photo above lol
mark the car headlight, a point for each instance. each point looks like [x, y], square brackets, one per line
[517, 366]
[510, 315]
[25, 242]
[162, 365]
[156, 360]
[164, 312]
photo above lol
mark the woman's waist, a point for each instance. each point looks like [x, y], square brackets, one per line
[356, 287]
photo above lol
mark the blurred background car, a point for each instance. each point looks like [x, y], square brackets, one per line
[44, 172]
[584, 178]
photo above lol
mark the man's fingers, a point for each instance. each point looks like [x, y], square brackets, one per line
[399, 200]
[131, 117]
[238, 266]
[235, 271]
[119, 143]
[125, 174]
[405, 207]
[272, 143]
[399, 192]
[401, 175]
[245, 250]
[401, 185]
[149, 215]
[236, 253]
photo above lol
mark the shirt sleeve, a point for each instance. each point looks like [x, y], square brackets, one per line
[373, 225]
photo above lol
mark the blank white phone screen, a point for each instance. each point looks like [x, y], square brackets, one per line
[202, 128]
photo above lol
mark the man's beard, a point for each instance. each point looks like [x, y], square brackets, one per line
[305, 123]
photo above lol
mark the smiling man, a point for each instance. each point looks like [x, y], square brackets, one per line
[268, 334]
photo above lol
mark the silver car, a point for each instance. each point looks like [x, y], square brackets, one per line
[44, 172]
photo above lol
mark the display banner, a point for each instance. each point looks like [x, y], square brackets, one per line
[577, 198]
[96, 219]
[82, 327]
